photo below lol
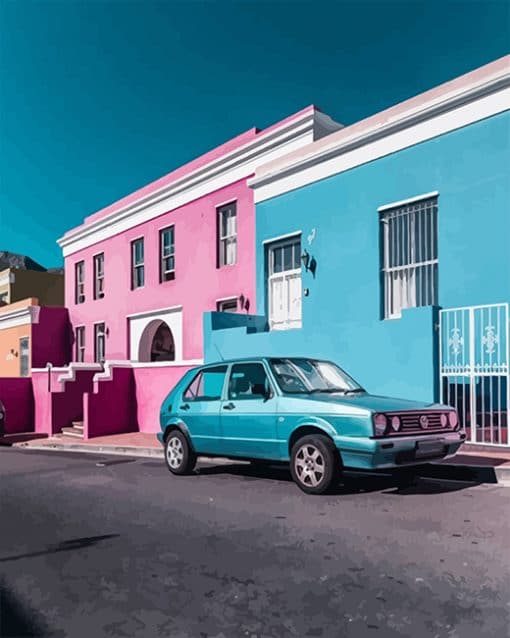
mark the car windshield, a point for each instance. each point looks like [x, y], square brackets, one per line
[307, 376]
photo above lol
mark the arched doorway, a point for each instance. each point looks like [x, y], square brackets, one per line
[156, 343]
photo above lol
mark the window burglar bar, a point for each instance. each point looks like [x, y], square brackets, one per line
[137, 260]
[227, 235]
[409, 259]
[167, 254]
[79, 275]
[80, 343]
[99, 276]
[99, 342]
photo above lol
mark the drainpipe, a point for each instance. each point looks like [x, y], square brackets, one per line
[49, 366]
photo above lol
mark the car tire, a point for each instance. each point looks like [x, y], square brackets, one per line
[179, 456]
[315, 464]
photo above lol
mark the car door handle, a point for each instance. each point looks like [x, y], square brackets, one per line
[229, 406]
[185, 407]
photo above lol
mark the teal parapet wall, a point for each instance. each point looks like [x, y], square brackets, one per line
[342, 313]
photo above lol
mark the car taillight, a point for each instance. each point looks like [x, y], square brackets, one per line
[453, 419]
[380, 424]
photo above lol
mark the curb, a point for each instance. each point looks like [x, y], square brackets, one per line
[141, 452]
[450, 471]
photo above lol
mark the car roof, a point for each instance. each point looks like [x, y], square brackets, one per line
[255, 358]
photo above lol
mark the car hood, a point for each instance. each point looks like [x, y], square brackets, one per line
[372, 402]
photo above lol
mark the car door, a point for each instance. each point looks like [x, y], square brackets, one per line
[248, 413]
[199, 409]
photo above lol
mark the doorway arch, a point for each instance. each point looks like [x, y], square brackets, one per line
[156, 343]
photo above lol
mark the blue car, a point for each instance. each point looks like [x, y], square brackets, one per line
[306, 411]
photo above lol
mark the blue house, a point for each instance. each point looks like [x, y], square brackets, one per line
[385, 246]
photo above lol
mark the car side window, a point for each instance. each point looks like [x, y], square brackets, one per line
[248, 381]
[207, 385]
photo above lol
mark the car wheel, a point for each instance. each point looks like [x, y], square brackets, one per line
[179, 457]
[315, 464]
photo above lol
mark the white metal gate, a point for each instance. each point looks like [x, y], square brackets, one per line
[474, 370]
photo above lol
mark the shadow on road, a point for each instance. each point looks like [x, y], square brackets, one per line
[357, 483]
[17, 621]
[64, 546]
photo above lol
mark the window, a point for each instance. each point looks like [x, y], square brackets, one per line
[207, 385]
[137, 264]
[24, 356]
[409, 256]
[79, 278]
[227, 235]
[227, 305]
[80, 344]
[99, 342]
[99, 276]
[167, 254]
[284, 283]
[248, 381]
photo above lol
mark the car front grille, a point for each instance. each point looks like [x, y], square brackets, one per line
[413, 422]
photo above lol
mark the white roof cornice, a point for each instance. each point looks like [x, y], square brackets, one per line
[470, 98]
[18, 316]
[234, 165]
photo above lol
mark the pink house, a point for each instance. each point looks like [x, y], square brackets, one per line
[140, 273]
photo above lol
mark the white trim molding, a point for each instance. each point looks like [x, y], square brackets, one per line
[227, 169]
[72, 368]
[23, 316]
[411, 200]
[476, 96]
[7, 277]
[153, 313]
[273, 240]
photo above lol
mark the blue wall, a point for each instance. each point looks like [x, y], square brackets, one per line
[341, 315]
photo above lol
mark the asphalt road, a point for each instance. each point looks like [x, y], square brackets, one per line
[124, 549]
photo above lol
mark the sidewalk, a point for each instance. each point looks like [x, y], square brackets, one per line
[482, 464]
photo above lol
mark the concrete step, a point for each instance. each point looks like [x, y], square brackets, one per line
[78, 425]
[73, 431]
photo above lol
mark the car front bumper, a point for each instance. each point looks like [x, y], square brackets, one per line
[372, 454]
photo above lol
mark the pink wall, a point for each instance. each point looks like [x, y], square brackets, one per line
[111, 406]
[152, 386]
[51, 338]
[198, 283]
[17, 396]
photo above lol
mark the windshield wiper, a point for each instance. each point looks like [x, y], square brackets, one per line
[333, 390]
[355, 391]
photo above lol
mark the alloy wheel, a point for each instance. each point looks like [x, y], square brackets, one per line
[309, 465]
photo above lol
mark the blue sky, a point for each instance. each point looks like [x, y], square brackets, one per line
[98, 99]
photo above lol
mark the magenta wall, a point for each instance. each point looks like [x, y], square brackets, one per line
[18, 399]
[64, 404]
[152, 386]
[51, 338]
[110, 408]
[198, 283]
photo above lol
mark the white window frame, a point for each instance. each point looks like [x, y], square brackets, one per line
[79, 344]
[79, 282]
[284, 277]
[409, 260]
[166, 274]
[98, 337]
[137, 267]
[229, 238]
[22, 354]
[99, 276]
[221, 303]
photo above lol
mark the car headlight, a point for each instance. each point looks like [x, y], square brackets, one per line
[396, 424]
[380, 424]
[444, 420]
[453, 419]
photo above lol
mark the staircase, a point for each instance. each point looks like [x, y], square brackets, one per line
[75, 430]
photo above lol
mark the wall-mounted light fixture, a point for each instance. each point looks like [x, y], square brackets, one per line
[244, 302]
[305, 258]
[14, 352]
